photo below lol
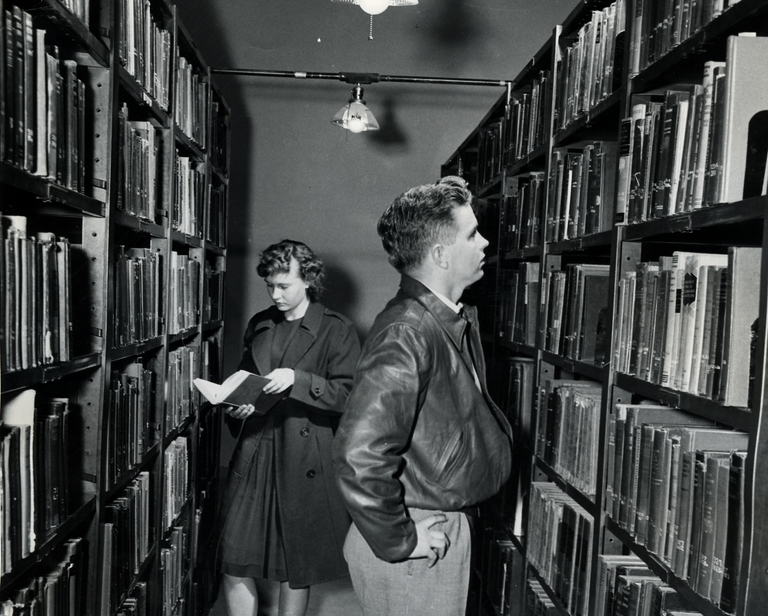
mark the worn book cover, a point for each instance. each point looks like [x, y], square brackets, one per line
[242, 387]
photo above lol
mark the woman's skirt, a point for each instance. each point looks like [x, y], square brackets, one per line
[251, 542]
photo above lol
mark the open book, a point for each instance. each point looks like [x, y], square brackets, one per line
[242, 387]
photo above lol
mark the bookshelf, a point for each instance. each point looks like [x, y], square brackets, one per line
[113, 193]
[636, 400]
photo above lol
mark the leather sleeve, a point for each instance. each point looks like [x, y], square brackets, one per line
[374, 431]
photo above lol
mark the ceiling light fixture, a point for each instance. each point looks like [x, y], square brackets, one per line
[376, 7]
[355, 116]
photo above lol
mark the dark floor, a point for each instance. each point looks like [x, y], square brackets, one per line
[329, 599]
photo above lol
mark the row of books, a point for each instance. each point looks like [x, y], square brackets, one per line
[184, 309]
[138, 295]
[132, 418]
[581, 191]
[658, 27]
[144, 49]
[525, 122]
[175, 480]
[501, 572]
[698, 145]
[487, 213]
[517, 398]
[59, 589]
[126, 535]
[574, 315]
[520, 212]
[173, 564]
[490, 159]
[191, 104]
[216, 229]
[34, 472]
[219, 137]
[627, 587]
[44, 104]
[182, 398]
[518, 306]
[208, 434]
[677, 486]
[135, 603]
[560, 545]
[519, 132]
[567, 430]
[188, 196]
[537, 601]
[590, 68]
[138, 166]
[80, 9]
[507, 504]
[36, 307]
[213, 307]
[687, 322]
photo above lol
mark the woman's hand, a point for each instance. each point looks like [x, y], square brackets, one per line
[241, 412]
[279, 380]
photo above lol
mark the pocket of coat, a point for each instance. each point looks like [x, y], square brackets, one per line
[454, 455]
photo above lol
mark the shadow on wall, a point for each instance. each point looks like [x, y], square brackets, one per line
[341, 293]
[455, 29]
[390, 135]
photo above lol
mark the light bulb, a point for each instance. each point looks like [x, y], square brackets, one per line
[356, 124]
[374, 7]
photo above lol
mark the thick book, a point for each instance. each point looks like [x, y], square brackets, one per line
[19, 411]
[241, 388]
[732, 577]
[741, 314]
[746, 119]
[721, 531]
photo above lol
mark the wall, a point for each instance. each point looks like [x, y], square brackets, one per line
[295, 175]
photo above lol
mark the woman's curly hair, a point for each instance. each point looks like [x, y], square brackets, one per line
[277, 258]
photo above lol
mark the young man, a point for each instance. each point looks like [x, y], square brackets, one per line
[420, 443]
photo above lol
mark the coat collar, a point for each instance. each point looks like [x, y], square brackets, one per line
[454, 325]
[450, 321]
[299, 344]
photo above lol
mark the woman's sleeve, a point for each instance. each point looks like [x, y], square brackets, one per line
[327, 393]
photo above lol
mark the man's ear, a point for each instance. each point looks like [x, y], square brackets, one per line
[437, 253]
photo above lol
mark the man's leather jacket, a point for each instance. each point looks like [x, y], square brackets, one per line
[416, 430]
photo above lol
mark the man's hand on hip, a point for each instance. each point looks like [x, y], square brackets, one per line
[432, 544]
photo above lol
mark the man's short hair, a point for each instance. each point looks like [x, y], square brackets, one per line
[419, 218]
[277, 258]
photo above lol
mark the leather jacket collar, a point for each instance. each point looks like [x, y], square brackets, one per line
[451, 322]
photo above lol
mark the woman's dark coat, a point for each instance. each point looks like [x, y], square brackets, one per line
[323, 354]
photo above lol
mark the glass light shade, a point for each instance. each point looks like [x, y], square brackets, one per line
[374, 7]
[355, 116]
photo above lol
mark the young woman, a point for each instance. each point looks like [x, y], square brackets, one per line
[283, 519]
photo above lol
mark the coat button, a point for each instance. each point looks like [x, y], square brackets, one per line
[310, 473]
[317, 391]
[304, 432]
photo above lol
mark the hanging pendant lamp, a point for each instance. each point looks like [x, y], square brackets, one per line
[355, 116]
